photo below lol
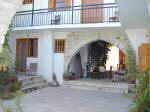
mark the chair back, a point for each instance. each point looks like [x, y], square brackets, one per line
[57, 18]
[33, 66]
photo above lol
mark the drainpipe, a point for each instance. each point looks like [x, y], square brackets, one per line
[32, 13]
[72, 9]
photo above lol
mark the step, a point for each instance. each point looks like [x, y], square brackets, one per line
[107, 89]
[30, 78]
[31, 82]
[99, 86]
[35, 87]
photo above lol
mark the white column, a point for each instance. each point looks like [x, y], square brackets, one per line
[47, 55]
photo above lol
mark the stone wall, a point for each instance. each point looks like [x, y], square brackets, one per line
[8, 9]
[75, 41]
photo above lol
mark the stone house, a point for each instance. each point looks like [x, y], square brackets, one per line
[51, 32]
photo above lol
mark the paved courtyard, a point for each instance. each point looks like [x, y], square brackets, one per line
[58, 99]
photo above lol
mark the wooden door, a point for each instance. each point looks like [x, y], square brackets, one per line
[21, 54]
[144, 57]
[92, 14]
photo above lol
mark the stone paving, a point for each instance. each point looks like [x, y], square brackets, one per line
[59, 99]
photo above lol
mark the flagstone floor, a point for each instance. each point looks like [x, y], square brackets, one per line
[59, 99]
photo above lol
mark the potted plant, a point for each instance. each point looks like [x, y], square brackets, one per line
[72, 77]
[66, 76]
[131, 65]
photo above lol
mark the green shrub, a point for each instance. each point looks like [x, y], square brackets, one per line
[141, 98]
[131, 63]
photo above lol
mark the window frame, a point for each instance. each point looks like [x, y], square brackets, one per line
[60, 45]
[29, 55]
[60, 3]
[27, 2]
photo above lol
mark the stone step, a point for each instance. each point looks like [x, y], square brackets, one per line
[106, 89]
[99, 86]
[31, 82]
[31, 78]
[35, 87]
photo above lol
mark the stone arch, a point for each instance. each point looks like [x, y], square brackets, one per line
[75, 41]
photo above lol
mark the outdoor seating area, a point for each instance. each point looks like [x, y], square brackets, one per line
[100, 72]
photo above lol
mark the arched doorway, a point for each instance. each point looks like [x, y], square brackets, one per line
[76, 41]
[99, 54]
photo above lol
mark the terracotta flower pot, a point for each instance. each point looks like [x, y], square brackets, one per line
[66, 77]
[72, 77]
[131, 81]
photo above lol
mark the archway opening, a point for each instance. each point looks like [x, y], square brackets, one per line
[98, 60]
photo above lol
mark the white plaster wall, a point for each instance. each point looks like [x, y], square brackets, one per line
[59, 59]
[137, 36]
[148, 5]
[84, 58]
[38, 4]
[74, 67]
[45, 48]
[47, 55]
[59, 66]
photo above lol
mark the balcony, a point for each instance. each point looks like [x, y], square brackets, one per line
[83, 14]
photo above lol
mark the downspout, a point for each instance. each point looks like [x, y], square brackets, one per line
[32, 13]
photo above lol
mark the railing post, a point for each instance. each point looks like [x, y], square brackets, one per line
[72, 10]
[32, 13]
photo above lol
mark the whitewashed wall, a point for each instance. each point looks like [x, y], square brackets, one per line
[84, 58]
[59, 59]
[45, 51]
[148, 5]
[137, 36]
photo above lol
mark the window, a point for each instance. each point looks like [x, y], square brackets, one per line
[27, 1]
[60, 3]
[33, 47]
[59, 45]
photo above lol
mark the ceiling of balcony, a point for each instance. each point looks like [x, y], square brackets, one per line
[133, 13]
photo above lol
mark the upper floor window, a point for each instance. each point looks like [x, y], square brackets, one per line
[60, 3]
[27, 1]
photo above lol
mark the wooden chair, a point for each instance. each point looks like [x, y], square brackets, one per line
[32, 69]
[56, 21]
[95, 72]
[122, 76]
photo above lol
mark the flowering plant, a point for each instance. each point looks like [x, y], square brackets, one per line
[141, 98]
